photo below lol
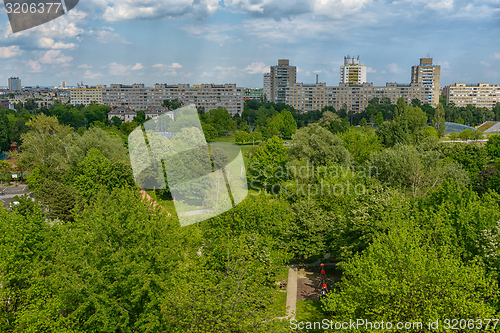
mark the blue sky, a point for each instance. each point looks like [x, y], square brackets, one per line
[235, 41]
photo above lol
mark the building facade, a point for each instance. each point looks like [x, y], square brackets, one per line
[481, 95]
[282, 76]
[124, 113]
[86, 95]
[352, 72]
[14, 84]
[139, 98]
[267, 86]
[429, 76]
[351, 97]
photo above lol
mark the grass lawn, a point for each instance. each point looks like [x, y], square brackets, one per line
[310, 311]
[280, 304]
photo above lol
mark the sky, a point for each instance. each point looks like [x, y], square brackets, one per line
[236, 41]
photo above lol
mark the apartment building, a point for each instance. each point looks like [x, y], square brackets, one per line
[14, 84]
[352, 97]
[352, 72]
[429, 76]
[481, 95]
[139, 98]
[309, 97]
[267, 86]
[282, 76]
[208, 96]
[85, 95]
[133, 96]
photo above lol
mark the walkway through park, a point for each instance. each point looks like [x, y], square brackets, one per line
[303, 283]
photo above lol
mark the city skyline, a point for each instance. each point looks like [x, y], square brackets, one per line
[236, 41]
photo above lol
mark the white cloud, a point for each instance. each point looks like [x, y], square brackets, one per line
[55, 57]
[219, 68]
[35, 66]
[206, 74]
[49, 43]
[215, 33]
[119, 69]
[125, 10]
[257, 68]
[496, 55]
[370, 70]
[10, 51]
[171, 72]
[440, 4]
[159, 66]
[85, 66]
[106, 35]
[137, 66]
[394, 68]
[175, 65]
[484, 63]
[91, 75]
[444, 64]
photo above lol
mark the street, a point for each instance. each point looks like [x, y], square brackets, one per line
[11, 192]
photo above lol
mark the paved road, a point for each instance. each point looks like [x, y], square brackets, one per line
[11, 192]
[291, 293]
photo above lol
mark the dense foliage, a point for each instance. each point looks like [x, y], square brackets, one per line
[413, 222]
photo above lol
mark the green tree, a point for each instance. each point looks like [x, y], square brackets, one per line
[289, 126]
[241, 137]
[439, 120]
[417, 172]
[404, 277]
[5, 171]
[319, 146]
[493, 146]
[116, 121]
[221, 120]
[46, 144]
[4, 131]
[173, 104]
[267, 162]
[363, 122]
[256, 136]
[97, 173]
[209, 131]
[309, 231]
[361, 143]
[127, 127]
[379, 119]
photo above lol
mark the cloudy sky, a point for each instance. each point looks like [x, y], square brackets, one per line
[235, 41]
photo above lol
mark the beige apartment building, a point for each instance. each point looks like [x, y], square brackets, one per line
[86, 95]
[352, 97]
[481, 95]
[208, 96]
[429, 75]
[139, 98]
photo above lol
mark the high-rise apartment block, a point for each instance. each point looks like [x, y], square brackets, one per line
[14, 84]
[282, 76]
[139, 98]
[267, 86]
[428, 75]
[481, 95]
[352, 72]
